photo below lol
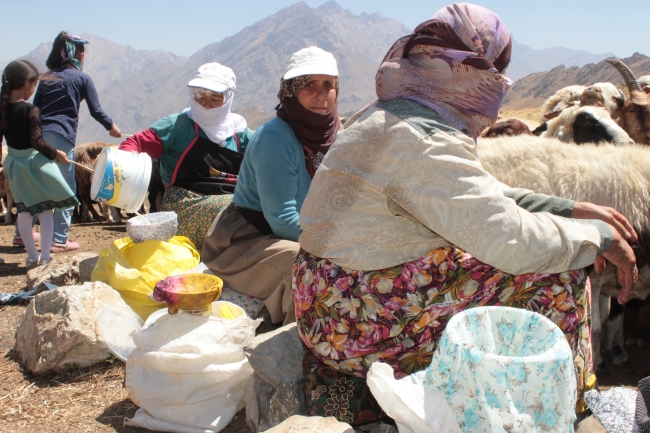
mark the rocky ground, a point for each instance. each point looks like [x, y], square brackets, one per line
[94, 399]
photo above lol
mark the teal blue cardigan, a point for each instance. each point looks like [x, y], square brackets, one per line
[273, 178]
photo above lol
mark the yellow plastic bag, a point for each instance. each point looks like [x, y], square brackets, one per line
[134, 269]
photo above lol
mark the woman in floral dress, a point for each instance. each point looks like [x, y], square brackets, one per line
[403, 228]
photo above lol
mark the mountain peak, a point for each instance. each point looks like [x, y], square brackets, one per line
[330, 6]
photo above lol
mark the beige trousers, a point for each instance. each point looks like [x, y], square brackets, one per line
[251, 263]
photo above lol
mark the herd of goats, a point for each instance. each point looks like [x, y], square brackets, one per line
[607, 163]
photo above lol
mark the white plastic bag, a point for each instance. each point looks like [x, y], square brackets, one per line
[188, 373]
[414, 407]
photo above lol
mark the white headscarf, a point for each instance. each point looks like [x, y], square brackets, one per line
[218, 123]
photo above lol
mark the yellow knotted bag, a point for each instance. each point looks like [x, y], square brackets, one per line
[134, 269]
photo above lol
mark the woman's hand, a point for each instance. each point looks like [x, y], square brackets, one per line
[61, 157]
[620, 254]
[584, 210]
[115, 131]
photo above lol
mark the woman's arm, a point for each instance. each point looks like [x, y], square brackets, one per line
[89, 93]
[277, 177]
[465, 205]
[36, 134]
[146, 141]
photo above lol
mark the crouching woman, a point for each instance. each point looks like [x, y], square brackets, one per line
[200, 151]
[403, 228]
[252, 245]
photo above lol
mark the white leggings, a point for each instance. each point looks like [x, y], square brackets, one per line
[24, 223]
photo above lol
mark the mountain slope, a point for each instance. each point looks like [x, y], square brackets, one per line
[531, 91]
[258, 54]
[526, 60]
[106, 61]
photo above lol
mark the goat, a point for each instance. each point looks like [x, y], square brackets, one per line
[636, 110]
[507, 127]
[86, 154]
[584, 115]
[614, 176]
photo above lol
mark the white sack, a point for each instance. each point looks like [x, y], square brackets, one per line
[414, 407]
[189, 371]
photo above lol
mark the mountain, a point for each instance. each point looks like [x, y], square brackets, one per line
[258, 54]
[531, 91]
[107, 61]
[526, 60]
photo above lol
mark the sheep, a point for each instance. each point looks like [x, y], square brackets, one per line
[563, 98]
[507, 127]
[636, 110]
[86, 154]
[585, 114]
[586, 124]
[614, 176]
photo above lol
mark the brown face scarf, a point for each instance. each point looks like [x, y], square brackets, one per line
[316, 132]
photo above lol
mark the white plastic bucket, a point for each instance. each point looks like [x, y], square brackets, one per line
[121, 178]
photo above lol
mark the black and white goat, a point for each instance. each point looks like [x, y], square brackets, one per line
[614, 176]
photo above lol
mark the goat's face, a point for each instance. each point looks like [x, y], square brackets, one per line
[636, 114]
[604, 95]
[636, 111]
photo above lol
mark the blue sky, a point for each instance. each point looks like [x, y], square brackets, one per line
[185, 26]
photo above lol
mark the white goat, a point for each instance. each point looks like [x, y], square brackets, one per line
[585, 114]
[614, 176]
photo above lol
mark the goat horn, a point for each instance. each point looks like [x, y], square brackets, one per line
[628, 76]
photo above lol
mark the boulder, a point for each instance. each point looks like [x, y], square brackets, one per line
[275, 391]
[86, 268]
[311, 424]
[61, 271]
[58, 329]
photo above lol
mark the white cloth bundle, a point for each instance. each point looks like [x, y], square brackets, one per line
[188, 373]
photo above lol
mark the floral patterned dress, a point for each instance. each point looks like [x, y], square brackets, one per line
[351, 319]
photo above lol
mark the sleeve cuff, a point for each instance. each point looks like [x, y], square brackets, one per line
[605, 235]
[562, 207]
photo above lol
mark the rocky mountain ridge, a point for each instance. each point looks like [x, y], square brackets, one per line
[531, 91]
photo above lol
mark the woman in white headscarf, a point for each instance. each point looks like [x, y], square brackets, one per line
[200, 151]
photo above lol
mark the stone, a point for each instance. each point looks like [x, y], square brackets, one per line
[590, 425]
[311, 424]
[275, 391]
[58, 329]
[61, 271]
[86, 268]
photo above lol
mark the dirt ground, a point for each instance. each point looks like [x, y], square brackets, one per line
[94, 399]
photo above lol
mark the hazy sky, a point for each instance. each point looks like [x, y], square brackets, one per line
[185, 26]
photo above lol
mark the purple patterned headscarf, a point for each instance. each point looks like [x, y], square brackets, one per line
[452, 64]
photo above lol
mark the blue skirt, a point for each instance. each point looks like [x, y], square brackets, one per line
[36, 182]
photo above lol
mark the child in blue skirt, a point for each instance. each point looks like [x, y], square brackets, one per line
[34, 178]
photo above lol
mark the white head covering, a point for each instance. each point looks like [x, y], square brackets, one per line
[218, 123]
[311, 61]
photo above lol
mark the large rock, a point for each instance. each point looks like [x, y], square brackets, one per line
[86, 268]
[58, 329]
[61, 271]
[311, 424]
[275, 391]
